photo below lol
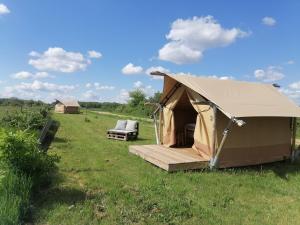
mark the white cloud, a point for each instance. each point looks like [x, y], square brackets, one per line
[40, 75]
[222, 77]
[295, 85]
[94, 54]
[147, 89]
[90, 96]
[132, 69]
[22, 75]
[138, 84]
[59, 60]
[208, 76]
[268, 21]
[88, 85]
[122, 97]
[35, 89]
[103, 87]
[188, 39]
[272, 73]
[34, 54]
[157, 68]
[42, 86]
[292, 93]
[290, 62]
[4, 9]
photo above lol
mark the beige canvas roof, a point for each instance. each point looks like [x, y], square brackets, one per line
[69, 102]
[237, 98]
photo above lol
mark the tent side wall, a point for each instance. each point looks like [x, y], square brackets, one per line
[59, 108]
[261, 140]
[72, 109]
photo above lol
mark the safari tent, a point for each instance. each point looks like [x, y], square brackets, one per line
[225, 123]
[67, 106]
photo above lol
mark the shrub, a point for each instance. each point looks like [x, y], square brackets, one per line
[14, 198]
[26, 120]
[20, 152]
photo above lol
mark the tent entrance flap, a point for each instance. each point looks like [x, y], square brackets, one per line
[185, 121]
[188, 124]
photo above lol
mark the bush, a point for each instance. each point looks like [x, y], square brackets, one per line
[26, 120]
[14, 198]
[20, 152]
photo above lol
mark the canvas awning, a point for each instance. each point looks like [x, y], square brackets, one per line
[238, 98]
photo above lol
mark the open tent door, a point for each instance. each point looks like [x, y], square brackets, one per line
[201, 114]
[205, 125]
[169, 131]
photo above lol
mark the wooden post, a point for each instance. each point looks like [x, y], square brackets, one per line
[293, 144]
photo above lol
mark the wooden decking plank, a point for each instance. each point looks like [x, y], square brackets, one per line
[169, 159]
[168, 153]
[174, 153]
[149, 158]
[153, 153]
[188, 166]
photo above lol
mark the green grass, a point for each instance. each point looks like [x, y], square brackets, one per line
[14, 198]
[101, 183]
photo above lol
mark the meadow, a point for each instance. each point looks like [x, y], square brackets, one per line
[100, 182]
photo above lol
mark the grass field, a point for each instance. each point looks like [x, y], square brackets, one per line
[99, 182]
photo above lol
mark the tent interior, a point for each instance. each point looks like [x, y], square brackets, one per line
[188, 124]
[185, 120]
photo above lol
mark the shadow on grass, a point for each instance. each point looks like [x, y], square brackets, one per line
[281, 169]
[58, 196]
[60, 140]
[82, 170]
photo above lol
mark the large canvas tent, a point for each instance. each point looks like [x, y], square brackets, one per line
[67, 106]
[235, 123]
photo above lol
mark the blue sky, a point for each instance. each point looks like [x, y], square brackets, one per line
[101, 50]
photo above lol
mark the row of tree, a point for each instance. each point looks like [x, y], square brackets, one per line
[135, 106]
[20, 102]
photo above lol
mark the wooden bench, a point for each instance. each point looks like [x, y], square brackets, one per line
[123, 134]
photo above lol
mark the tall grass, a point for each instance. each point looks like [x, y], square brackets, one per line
[14, 198]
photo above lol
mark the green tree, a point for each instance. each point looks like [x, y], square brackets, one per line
[137, 98]
[155, 98]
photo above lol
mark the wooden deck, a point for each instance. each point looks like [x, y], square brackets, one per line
[170, 159]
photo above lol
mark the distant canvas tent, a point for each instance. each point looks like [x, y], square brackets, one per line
[233, 123]
[67, 106]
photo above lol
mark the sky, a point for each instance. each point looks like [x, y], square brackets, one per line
[101, 50]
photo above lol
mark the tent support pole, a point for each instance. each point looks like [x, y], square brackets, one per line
[214, 160]
[157, 135]
[155, 127]
[160, 124]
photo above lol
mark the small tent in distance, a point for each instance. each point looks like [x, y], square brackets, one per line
[70, 106]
